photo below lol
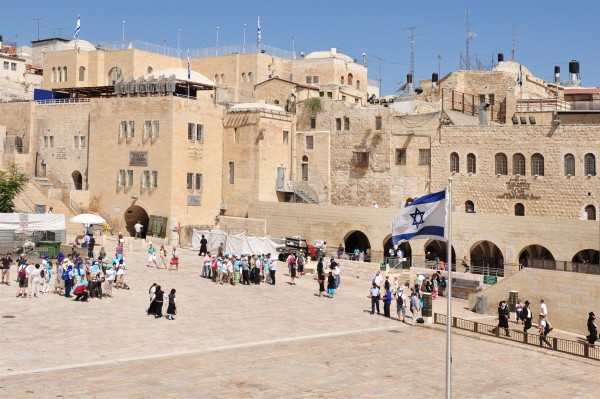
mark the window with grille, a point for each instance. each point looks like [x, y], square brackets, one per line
[360, 159]
[338, 123]
[146, 179]
[537, 165]
[130, 129]
[590, 212]
[199, 181]
[346, 123]
[471, 163]
[400, 156]
[236, 134]
[147, 129]
[231, 173]
[286, 136]
[313, 123]
[569, 165]
[519, 164]
[155, 129]
[121, 177]
[130, 178]
[191, 131]
[154, 179]
[315, 79]
[378, 123]
[309, 79]
[501, 164]
[200, 133]
[79, 142]
[190, 181]
[454, 163]
[589, 165]
[424, 156]
[309, 142]
[122, 130]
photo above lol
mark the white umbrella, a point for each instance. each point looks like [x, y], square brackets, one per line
[88, 218]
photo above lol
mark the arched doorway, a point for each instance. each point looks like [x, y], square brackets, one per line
[357, 239]
[486, 255]
[438, 249]
[77, 180]
[534, 253]
[404, 246]
[134, 214]
[587, 256]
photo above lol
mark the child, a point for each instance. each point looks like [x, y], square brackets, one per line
[321, 280]
[172, 308]
[47, 276]
[331, 285]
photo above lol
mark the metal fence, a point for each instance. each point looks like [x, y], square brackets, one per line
[564, 266]
[557, 344]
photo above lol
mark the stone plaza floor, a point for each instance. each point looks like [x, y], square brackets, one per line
[262, 341]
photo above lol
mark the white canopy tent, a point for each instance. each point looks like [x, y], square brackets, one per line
[32, 221]
[234, 243]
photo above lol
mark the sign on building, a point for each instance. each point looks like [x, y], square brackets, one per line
[194, 200]
[138, 158]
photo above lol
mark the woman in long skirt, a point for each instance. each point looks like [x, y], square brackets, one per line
[172, 308]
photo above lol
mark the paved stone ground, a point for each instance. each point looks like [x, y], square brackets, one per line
[256, 341]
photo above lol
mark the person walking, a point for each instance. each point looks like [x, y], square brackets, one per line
[321, 279]
[292, 266]
[36, 279]
[331, 285]
[387, 301]
[109, 278]
[336, 273]
[91, 245]
[272, 268]
[503, 317]
[592, 328]
[206, 265]
[162, 255]
[152, 256]
[6, 264]
[527, 316]
[23, 279]
[203, 249]
[401, 305]
[544, 330]
[519, 310]
[543, 310]
[158, 302]
[172, 308]
[174, 259]
[415, 307]
[375, 296]
[138, 229]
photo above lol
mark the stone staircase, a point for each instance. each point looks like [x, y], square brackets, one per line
[32, 195]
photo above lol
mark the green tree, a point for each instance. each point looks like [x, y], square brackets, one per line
[12, 182]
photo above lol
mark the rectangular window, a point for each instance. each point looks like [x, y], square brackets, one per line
[13, 66]
[286, 137]
[154, 179]
[191, 131]
[308, 79]
[130, 178]
[304, 171]
[309, 142]
[378, 123]
[200, 133]
[338, 123]
[481, 98]
[343, 98]
[236, 135]
[145, 179]
[147, 129]
[424, 157]
[321, 94]
[199, 181]
[122, 130]
[329, 94]
[155, 129]
[121, 178]
[190, 181]
[231, 173]
[313, 123]
[346, 123]
[491, 98]
[6, 65]
[360, 159]
[130, 129]
[315, 79]
[79, 142]
[400, 156]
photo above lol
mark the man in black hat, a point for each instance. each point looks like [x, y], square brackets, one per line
[592, 328]
[527, 315]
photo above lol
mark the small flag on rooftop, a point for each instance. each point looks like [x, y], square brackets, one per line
[422, 218]
[258, 33]
[77, 27]
[520, 76]
[189, 68]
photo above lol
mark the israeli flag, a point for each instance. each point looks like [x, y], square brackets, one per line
[258, 33]
[77, 27]
[189, 68]
[422, 218]
[520, 76]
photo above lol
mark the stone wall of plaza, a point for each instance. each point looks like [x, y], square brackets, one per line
[393, 171]
[172, 155]
[511, 235]
[98, 64]
[255, 144]
[553, 194]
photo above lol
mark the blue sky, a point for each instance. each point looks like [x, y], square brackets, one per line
[548, 32]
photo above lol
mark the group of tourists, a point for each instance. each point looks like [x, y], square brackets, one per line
[239, 269]
[157, 301]
[391, 291]
[68, 276]
[161, 259]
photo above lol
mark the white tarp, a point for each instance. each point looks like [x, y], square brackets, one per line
[234, 243]
[32, 221]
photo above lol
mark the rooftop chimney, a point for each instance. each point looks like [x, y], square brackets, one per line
[574, 70]
[434, 80]
[409, 83]
[500, 57]
[556, 74]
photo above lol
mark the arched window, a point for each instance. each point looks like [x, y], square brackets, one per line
[537, 165]
[569, 165]
[276, 102]
[65, 73]
[249, 76]
[454, 162]
[341, 80]
[519, 164]
[590, 210]
[501, 164]
[471, 163]
[243, 76]
[519, 209]
[358, 84]
[589, 165]
[59, 74]
[150, 69]
[222, 78]
[54, 74]
[469, 207]
[81, 73]
[216, 78]
[114, 75]
[304, 168]
[350, 79]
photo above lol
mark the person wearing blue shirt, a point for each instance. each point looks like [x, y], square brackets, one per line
[387, 301]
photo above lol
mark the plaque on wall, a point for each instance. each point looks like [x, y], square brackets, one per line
[138, 158]
[194, 200]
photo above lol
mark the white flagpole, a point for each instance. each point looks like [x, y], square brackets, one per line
[449, 297]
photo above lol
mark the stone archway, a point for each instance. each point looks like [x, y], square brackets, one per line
[590, 256]
[534, 253]
[404, 246]
[357, 239]
[134, 214]
[438, 249]
[77, 180]
[486, 255]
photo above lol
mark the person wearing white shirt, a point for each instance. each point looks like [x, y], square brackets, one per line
[35, 280]
[206, 266]
[378, 279]
[108, 281]
[543, 310]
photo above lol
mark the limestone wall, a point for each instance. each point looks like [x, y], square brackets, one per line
[569, 296]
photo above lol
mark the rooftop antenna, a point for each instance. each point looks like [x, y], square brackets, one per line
[412, 47]
[514, 42]
[439, 58]
[380, 59]
[38, 26]
[59, 30]
[470, 36]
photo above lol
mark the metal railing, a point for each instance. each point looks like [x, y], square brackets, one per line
[226, 49]
[58, 101]
[539, 105]
[395, 262]
[564, 266]
[475, 268]
[74, 207]
[556, 344]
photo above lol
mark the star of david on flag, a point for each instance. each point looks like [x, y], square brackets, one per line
[422, 218]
